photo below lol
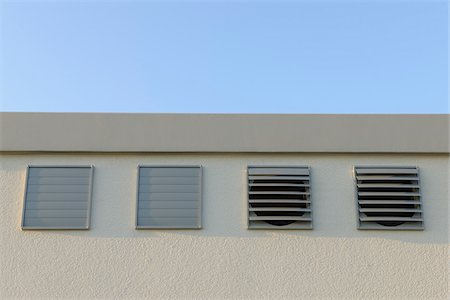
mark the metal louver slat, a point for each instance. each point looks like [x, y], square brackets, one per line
[394, 219]
[388, 185]
[386, 170]
[278, 193]
[279, 209]
[283, 171]
[279, 197]
[278, 201]
[278, 184]
[276, 178]
[280, 218]
[387, 178]
[388, 202]
[388, 198]
[389, 194]
[389, 210]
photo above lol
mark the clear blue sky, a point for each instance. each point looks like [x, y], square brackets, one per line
[227, 57]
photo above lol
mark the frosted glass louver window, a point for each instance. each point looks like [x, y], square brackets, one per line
[388, 198]
[279, 198]
[57, 197]
[169, 197]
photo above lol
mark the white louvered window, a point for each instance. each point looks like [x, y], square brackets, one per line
[389, 198]
[57, 197]
[279, 197]
[169, 197]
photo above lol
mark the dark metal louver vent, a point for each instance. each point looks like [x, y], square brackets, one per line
[279, 198]
[389, 198]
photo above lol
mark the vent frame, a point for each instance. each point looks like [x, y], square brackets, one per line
[89, 198]
[306, 224]
[409, 223]
[199, 199]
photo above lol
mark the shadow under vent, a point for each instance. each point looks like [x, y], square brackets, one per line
[279, 198]
[389, 198]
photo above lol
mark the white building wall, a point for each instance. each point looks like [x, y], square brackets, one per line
[224, 259]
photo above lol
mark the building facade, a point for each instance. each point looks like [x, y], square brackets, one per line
[220, 255]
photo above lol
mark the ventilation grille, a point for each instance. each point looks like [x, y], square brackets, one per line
[279, 198]
[169, 197]
[389, 198]
[57, 197]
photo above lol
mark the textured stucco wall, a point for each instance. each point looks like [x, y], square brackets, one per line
[225, 260]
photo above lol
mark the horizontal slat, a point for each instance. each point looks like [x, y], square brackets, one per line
[175, 213]
[388, 202]
[58, 188]
[143, 180]
[279, 218]
[280, 184]
[390, 194]
[168, 196]
[169, 172]
[278, 171]
[53, 213]
[81, 205]
[278, 193]
[389, 210]
[56, 222]
[168, 222]
[404, 226]
[278, 209]
[388, 178]
[159, 188]
[386, 171]
[278, 201]
[169, 204]
[261, 225]
[59, 172]
[278, 178]
[389, 185]
[57, 196]
[394, 219]
[58, 180]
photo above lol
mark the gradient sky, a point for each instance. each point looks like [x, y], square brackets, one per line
[225, 57]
